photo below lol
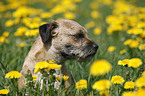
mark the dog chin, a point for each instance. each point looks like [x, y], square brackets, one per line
[67, 56]
[86, 58]
[79, 57]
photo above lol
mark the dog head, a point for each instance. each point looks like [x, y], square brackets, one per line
[69, 38]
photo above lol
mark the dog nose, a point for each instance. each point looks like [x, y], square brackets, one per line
[95, 46]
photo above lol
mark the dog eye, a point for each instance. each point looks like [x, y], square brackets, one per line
[79, 36]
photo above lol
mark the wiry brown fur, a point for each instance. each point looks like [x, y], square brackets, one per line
[52, 49]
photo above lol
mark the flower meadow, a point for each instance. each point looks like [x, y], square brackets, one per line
[117, 26]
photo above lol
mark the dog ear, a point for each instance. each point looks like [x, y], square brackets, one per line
[46, 31]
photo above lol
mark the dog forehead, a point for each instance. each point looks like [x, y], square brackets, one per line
[70, 26]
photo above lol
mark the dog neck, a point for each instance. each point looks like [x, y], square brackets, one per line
[54, 54]
[41, 52]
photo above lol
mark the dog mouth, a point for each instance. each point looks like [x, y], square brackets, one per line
[88, 55]
[67, 55]
[83, 54]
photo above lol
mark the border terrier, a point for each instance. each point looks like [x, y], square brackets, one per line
[60, 40]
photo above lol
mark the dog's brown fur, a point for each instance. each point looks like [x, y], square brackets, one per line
[63, 44]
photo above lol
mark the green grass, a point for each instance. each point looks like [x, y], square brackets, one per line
[12, 56]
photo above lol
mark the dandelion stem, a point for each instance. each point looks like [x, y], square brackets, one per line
[135, 74]
[89, 77]
[15, 86]
[116, 88]
[127, 74]
[77, 93]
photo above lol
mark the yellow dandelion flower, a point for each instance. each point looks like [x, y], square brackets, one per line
[140, 92]
[143, 73]
[41, 65]
[6, 41]
[54, 66]
[20, 31]
[77, 0]
[140, 82]
[100, 67]
[113, 28]
[133, 20]
[130, 93]
[9, 23]
[82, 84]
[135, 62]
[4, 91]
[25, 82]
[104, 93]
[65, 78]
[94, 14]
[129, 85]
[58, 78]
[57, 9]
[141, 25]
[91, 95]
[97, 31]
[13, 74]
[90, 25]
[111, 18]
[22, 44]
[123, 62]
[134, 44]
[34, 77]
[26, 19]
[142, 16]
[141, 47]
[17, 20]
[32, 32]
[128, 42]
[139, 39]
[117, 79]
[111, 48]
[142, 35]
[36, 19]
[36, 70]
[69, 15]
[51, 61]
[107, 2]
[122, 51]
[46, 15]
[6, 34]
[33, 25]
[102, 85]
[43, 23]
[2, 38]
[94, 5]
[135, 31]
